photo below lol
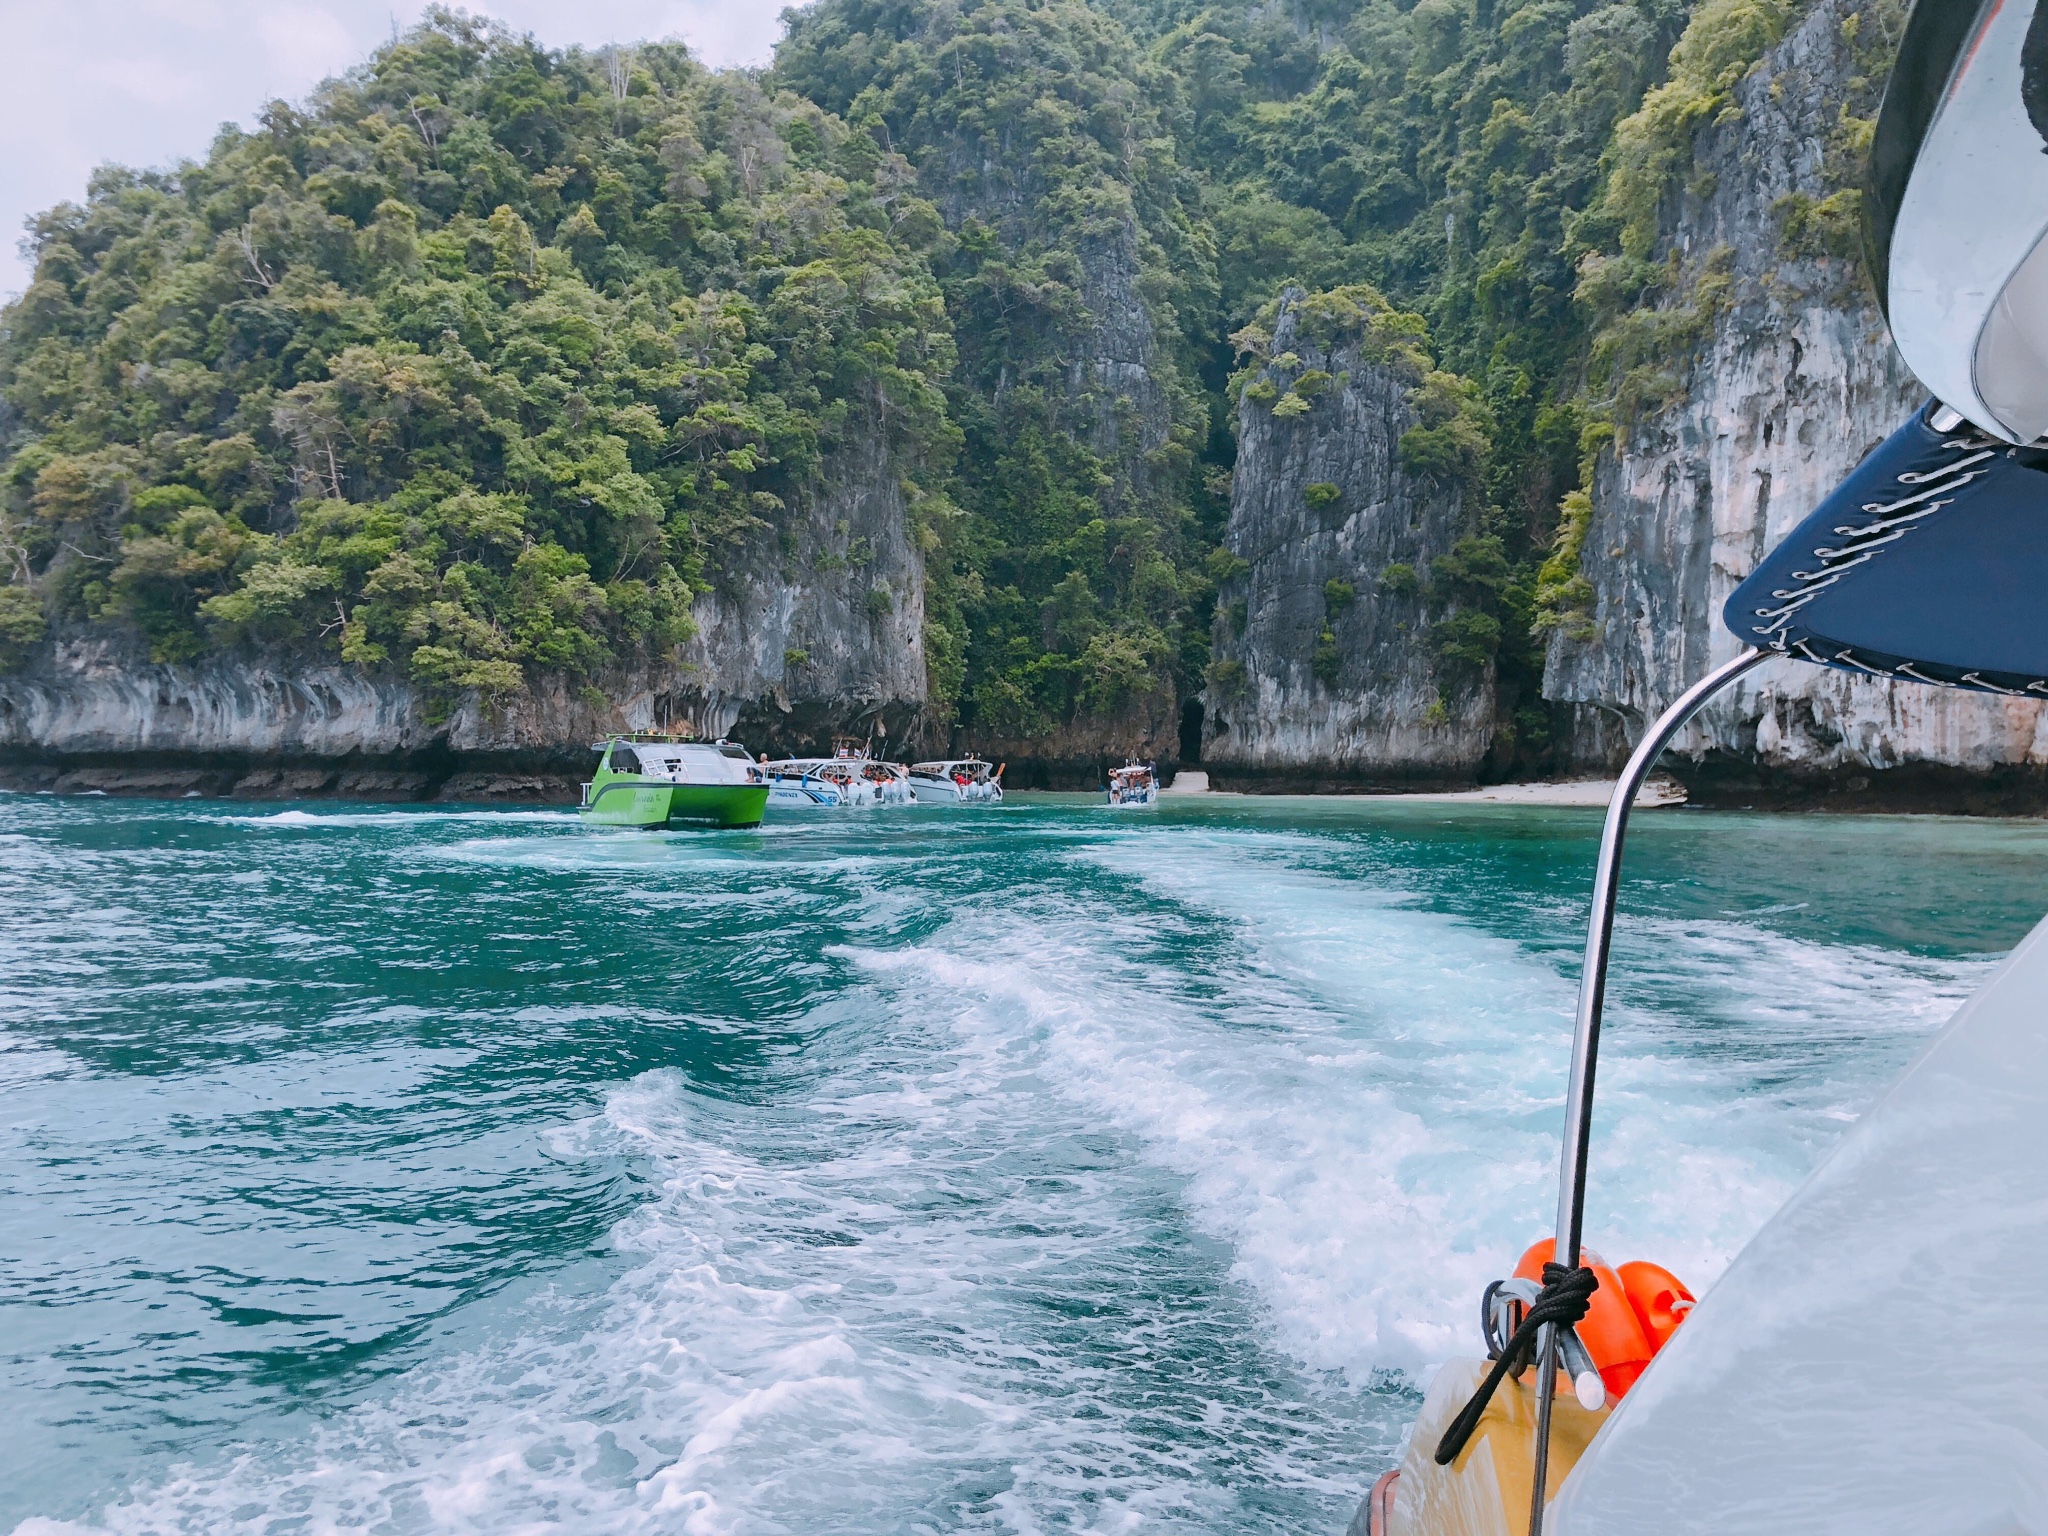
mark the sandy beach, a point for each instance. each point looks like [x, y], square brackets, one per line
[1658, 791]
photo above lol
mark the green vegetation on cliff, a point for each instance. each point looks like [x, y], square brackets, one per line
[489, 359]
[473, 367]
[1078, 277]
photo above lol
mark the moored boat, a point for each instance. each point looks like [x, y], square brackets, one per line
[891, 781]
[956, 781]
[846, 781]
[1133, 786]
[656, 782]
[794, 783]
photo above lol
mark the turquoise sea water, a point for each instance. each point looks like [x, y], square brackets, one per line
[1030, 1169]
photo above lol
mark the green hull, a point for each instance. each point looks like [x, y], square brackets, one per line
[627, 800]
[720, 805]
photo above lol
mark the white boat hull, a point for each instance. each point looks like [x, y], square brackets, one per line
[792, 795]
[946, 792]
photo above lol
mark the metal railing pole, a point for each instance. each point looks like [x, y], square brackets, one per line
[1578, 1102]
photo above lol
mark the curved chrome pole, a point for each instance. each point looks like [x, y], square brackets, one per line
[1578, 1103]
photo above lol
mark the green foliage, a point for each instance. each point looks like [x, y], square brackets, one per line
[489, 360]
[1564, 598]
[1465, 643]
[1645, 352]
[1812, 227]
[1723, 41]
[1033, 129]
[1474, 570]
[1328, 660]
[21, 623]
[1223, 566]
[1227, 678]
[1454, 438]
[475, 367]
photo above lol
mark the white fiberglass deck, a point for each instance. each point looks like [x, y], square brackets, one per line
[1875, 1359]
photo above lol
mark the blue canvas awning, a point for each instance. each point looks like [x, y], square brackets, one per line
[1929, 562]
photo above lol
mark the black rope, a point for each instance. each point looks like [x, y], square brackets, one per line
[1565, 1296]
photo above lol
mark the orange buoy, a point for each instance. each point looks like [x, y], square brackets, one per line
[1658, 1298]
[1613, 1336]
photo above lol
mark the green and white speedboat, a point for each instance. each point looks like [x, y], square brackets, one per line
[643, 782]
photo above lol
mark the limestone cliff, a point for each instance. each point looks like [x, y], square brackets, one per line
[1795, 381]
[1317, 683]
[817, 630]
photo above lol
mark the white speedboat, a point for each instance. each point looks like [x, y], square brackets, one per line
[832, 782]
[849, 780]
[792, 788]
[956, 781]
[1871, 1361]
[891, 781]
[1133, 787]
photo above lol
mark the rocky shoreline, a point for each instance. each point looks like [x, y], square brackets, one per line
[446, 777]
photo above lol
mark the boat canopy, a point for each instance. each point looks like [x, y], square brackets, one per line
[684, 762]
[1929, 562]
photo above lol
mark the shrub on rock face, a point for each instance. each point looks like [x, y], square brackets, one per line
[1227, 678]
[1465, 643]
[1322, 496]
[1328, 660]
[1453, 441]
[1119, 667]
[21, 624]
[278, 599]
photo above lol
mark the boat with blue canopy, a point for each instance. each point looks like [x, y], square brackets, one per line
[1871, 1361]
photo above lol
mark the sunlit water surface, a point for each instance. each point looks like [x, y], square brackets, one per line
[1031, 1169]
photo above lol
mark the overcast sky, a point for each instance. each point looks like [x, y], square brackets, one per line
[146, 82]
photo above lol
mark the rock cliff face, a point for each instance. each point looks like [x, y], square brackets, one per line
[802, 635]
[1311, 686]
[822, 632]
[1795, 383]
